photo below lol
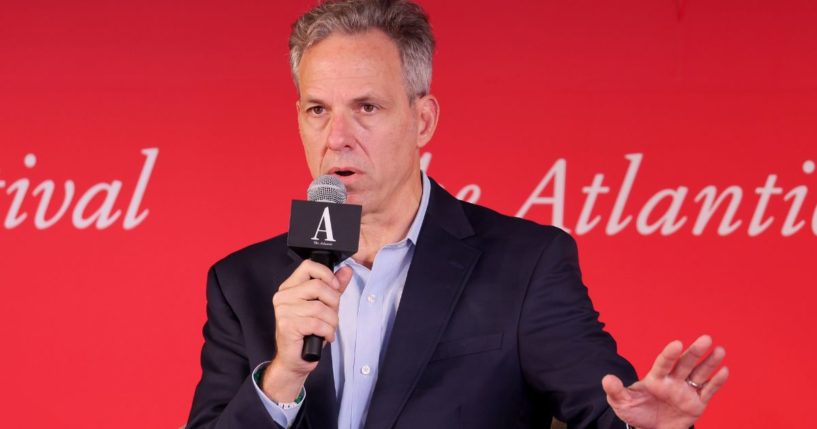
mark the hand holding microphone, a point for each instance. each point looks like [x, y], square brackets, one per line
[306, 306]
[324, 231]
[324, 189]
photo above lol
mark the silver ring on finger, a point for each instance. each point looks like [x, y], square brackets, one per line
[696, 386]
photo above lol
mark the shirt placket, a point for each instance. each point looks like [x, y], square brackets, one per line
[370, 327]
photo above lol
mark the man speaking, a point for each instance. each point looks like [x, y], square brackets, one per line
[449, 315]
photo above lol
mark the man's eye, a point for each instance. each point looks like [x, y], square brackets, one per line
[316, 110]
[369, 108]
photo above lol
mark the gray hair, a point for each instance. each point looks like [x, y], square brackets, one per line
[403, 21]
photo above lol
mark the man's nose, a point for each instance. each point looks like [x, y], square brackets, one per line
[340, 132]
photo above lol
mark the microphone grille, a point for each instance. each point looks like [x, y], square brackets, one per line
[326, 189]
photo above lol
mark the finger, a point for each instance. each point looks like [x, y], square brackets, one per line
[704, 370]
[615, 390]
[307, 291]
[294, 329]
[344, 276]
[310, 270]
[666, 360]
[317, 310]
[714, 384]
[691, 357]
[312, 326]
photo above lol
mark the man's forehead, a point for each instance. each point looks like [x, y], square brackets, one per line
[351, 87]
[368, 59]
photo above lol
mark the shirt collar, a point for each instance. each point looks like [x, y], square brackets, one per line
[414, 230]
[416, 225]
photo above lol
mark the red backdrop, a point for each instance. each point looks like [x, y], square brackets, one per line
[100, 324]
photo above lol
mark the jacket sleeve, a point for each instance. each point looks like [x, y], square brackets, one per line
[225, 396]
[564, 350]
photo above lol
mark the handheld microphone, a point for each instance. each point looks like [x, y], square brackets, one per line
[325, 230]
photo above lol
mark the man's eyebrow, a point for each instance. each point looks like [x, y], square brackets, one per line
[368, 98]
[313, 100]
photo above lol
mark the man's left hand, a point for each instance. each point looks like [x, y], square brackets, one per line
[675, 392]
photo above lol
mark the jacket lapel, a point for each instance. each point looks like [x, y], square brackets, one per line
[439, 270]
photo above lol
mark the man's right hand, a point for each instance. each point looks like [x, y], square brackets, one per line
[306, 304]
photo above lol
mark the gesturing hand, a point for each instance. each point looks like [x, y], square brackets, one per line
[675, 392]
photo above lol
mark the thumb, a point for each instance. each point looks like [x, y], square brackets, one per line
[344, 276]
[615, 390]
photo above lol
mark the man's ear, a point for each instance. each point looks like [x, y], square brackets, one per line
[298, 115]
[428, 110]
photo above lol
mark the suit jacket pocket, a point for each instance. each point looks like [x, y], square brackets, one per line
[467, 346]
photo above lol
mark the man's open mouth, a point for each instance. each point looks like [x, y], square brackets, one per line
[344, 173]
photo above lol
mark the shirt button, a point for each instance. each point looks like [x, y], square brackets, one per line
[365, 370]
[371, 298]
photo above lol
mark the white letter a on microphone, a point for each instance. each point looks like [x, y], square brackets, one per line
[326, 223]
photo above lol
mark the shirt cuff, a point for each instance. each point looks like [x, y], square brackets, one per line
[284, 417]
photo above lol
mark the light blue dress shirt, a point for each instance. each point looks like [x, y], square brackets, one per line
[367, 310]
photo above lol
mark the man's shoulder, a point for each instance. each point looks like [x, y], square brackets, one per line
[263, 254]
[488, 225]
[497, 227]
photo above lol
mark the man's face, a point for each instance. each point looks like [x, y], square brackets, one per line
[356, 119]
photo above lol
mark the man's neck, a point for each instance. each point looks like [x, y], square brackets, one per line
[388, 226]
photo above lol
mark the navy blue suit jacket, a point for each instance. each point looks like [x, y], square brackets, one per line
[495, 330]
